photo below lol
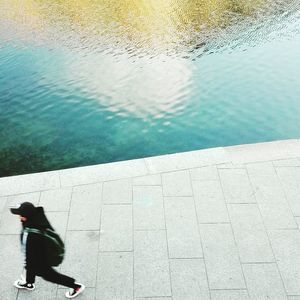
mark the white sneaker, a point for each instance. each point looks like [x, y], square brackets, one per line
[72, 293]
[22, 284]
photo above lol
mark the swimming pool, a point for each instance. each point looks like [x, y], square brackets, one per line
[84, 82]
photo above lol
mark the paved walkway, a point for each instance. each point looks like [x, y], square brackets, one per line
[214, 224]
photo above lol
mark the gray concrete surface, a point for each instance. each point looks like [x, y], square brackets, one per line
[218, 224]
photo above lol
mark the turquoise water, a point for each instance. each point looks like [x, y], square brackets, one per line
[68, 101]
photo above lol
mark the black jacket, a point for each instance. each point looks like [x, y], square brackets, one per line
[35, 244]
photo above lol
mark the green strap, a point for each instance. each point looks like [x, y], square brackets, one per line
[33, 230]
[43, 233]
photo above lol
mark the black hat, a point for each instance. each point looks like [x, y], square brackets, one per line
[26, 209]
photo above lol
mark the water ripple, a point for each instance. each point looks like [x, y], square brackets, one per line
[84, 82]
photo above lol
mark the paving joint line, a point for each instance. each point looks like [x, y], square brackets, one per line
[268, 236]
[132, 237]
[284, 192]
[200, 238]
[99, 242]
[66, 230]
[167, 243]
[113, 204]
[233, 235]
[259, 263]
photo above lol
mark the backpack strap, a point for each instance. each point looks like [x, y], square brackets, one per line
[33, 230]
[48, 233]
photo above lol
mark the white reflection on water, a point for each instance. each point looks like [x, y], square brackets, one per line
[93, 81]
[143, 88]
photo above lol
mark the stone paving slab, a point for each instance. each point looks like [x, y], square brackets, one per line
[261, 152]
[148, 208]
[214, 224]
[182, 230]
[117, 192]
[29, 183]
[148, 180]
[233, 192]
[290, 179]
[221, 256]
[250, 234]
[186, 160]
[62, 196]
[293, 162]
[209, 201]
[286, 246]
[189, 280]
[85, 208]
[115, 276]
[116, 228]
[264, 282]
[177, 183]
[270, 196]
[104, 172]
[205, 173]
[151, 264]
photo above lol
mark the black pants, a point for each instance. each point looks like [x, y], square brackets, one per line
[49, 274]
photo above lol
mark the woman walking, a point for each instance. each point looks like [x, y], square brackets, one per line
[36, 246]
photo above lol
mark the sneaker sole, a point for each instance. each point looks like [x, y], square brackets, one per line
[80, 291]
[23, 287]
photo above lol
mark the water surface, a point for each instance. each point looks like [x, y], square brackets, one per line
[88, 82]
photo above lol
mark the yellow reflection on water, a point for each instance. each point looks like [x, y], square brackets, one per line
[144, 21]
[131, 24]
[26, 13]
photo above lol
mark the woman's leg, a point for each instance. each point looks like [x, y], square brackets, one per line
[49, 274]
[30, 276]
